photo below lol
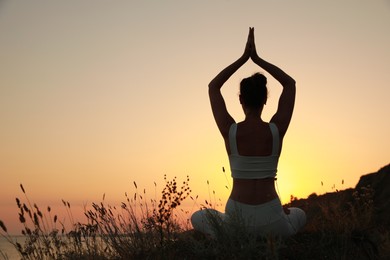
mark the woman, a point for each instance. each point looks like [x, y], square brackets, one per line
[253, 147]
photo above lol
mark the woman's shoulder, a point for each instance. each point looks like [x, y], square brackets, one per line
[254, 125]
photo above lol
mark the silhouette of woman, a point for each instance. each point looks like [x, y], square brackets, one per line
[253, 147]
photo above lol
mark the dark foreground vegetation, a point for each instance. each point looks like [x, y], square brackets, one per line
[348, 224]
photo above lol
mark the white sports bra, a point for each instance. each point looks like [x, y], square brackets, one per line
[253, 167]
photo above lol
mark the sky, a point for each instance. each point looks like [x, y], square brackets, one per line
[95, 95]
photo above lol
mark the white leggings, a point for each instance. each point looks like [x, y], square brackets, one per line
[263, 219]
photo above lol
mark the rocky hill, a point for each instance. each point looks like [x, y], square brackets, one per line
[380, 183]
[371, 193]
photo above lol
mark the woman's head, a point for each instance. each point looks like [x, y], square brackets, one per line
[253, 91]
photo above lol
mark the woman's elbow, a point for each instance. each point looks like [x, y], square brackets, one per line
[290, 84]
[213, 87]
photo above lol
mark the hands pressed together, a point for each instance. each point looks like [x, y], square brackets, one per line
[250, 48]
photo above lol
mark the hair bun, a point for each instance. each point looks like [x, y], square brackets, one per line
[259, 79]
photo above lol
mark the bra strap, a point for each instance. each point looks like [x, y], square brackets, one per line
[232, 138]
[275, 138]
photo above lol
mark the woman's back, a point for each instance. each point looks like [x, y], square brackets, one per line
[254, 138]
[255, 142]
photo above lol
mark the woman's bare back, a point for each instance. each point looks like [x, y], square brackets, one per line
[254, 138]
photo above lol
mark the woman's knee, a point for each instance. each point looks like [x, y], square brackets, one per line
[205, 219]
[298, 217]
[198, 219]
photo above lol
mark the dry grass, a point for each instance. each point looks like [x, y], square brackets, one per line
[142, 229]
[342, 227]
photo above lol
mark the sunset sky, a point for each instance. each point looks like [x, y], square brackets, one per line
[97, 94]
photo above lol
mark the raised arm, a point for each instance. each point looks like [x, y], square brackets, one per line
[218, 106]
[285, 109]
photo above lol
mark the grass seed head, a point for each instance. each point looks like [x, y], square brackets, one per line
[3, 227]
[18, 203]
[36, 220]
[21, 186]
[21, 218]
